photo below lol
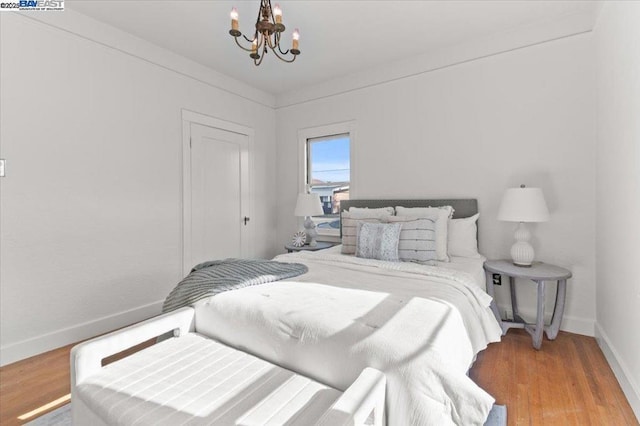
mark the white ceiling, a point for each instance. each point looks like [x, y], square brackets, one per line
[336, 37]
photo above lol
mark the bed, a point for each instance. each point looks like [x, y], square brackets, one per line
[422, 325]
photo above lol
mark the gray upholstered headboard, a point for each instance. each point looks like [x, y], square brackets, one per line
[463, 207]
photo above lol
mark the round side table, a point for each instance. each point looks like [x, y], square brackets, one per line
[539, 273]
[320, 246]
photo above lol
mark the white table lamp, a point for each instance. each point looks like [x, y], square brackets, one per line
[523, 205]
[309, 205]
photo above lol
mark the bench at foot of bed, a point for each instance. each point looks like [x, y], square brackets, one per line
[192, 379]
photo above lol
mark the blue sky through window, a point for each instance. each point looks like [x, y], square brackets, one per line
[330, 160]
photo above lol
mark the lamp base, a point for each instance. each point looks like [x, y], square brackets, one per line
[522, 251]
[520, 265]
[310, 230]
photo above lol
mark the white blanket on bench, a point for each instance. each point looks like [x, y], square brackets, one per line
[193, 380]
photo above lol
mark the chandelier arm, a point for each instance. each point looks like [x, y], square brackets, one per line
[273, 19]
[271, 44]
[275, 52]
[279, 48]
[258, 61]
[276, 44]
[241, 46]
[286, 52]
[259, 12]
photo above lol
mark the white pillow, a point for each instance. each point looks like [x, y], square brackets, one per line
[441, 215]
[462, 237]
[358, 212]
[349, 225]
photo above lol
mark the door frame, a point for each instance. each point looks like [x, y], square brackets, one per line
[192, 117]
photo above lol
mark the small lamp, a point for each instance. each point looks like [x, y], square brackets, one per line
[523, 205]
[309, 205]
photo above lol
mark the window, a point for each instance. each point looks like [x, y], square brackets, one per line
[328, 173]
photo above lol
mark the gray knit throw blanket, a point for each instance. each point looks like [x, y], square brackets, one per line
[215, 277]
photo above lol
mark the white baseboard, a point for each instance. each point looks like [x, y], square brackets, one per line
[629, 387]
[577, 325]
[56, 339]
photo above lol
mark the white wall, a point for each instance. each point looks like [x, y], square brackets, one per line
[91, 226]
[472, 130]
[90, 214]
[618, 192]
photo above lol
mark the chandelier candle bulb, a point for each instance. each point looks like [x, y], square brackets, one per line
[277, 13]
[234, 19]
[296, 37]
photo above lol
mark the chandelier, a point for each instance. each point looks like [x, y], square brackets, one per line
[269, 29]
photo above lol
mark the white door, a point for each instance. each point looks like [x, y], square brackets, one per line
[219, 195]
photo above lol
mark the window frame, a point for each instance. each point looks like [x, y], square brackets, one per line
[320, 132]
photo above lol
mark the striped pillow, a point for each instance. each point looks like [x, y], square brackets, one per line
[417, 239]
[441, 215]
[350, 229]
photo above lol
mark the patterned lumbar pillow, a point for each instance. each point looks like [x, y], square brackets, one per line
[378, 241]
[417, 239]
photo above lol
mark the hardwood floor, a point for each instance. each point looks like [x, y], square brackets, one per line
[37, 385]
[32, 383]
[567, 382]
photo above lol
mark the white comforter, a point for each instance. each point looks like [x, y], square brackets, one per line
[422, 326]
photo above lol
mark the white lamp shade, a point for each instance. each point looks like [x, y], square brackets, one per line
[523, 205]
[308, 205]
